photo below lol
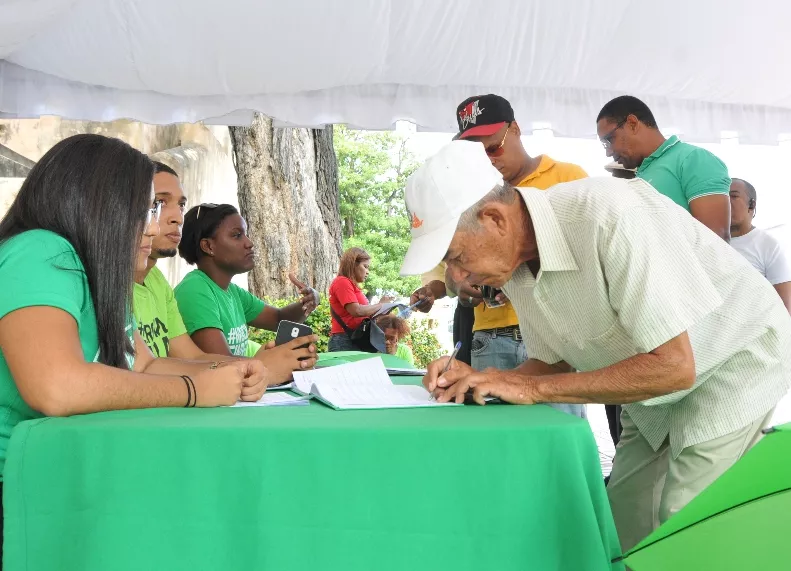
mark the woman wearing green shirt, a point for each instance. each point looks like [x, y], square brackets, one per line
[80, 226]
[217, 312]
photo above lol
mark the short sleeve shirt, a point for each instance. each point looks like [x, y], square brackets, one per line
[41, 268]
[203, 304]
[684, 172]
[765, 254]
[157, 313]
[623, 271]
[344, 291]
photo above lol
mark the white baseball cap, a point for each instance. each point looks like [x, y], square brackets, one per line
[438, 193]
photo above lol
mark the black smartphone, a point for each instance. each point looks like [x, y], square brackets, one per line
[288, 331]
[489, 294]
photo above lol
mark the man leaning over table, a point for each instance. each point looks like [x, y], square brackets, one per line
[611, 278]
[489, 120]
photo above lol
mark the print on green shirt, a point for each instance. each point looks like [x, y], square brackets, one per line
[204, 304]
[157, 313]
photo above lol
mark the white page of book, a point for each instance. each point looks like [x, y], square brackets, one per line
[365, 372]
[343, 393]
[275, 399]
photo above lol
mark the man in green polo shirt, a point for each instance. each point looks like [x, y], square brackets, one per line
[690, 176]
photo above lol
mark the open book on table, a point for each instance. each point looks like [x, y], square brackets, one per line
[360, 385]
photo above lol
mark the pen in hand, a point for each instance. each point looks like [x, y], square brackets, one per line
[456, 350]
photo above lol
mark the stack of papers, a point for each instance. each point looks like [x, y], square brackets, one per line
[276, 399]
[361, 385]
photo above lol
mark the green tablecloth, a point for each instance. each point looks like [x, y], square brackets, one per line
[307, 488]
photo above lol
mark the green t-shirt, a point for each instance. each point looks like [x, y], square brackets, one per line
[203, 304]
[252, 348]
[683, 172]
[157, 313]
[40, 268]
[403, 351]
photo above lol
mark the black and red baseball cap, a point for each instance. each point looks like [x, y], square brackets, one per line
[482, 115]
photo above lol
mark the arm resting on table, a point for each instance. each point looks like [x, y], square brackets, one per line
[667, 369]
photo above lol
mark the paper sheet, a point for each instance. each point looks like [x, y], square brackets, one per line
[367, 371]
[276, 399]
[363, 384]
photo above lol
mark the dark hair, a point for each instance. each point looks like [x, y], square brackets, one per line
[162, 167]
[349, 261]
[751, 194]
[393, 322]
[201, 222]
[621, 107]
[93, 191]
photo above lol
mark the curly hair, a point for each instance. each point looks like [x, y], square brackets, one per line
[393, 322]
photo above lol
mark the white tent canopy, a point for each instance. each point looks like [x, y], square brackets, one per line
[703, 66]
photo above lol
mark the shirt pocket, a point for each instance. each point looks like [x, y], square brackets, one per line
[591, 353]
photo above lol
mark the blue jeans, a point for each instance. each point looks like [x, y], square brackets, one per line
[341, 342]
[504, 352]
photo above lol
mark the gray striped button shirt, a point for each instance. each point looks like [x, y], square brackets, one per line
[624, 270]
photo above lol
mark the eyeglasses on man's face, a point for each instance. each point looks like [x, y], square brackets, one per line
[606, 140]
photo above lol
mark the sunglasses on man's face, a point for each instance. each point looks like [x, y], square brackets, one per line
[206, 205]
[498, 150]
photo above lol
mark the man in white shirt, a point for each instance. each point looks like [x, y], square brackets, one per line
[611, 278]
[760, 248]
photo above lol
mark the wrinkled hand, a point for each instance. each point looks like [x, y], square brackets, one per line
[508, 386]
[425, 294]
[469, 296]
[435, 381]
[310, 297]
[284, 359]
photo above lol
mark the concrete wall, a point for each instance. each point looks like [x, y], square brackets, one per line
[8, 189]
[200, 154]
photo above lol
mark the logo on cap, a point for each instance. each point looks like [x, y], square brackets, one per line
[416, 222]
[470, 114]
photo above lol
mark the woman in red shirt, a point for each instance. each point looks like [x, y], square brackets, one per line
[347, 300]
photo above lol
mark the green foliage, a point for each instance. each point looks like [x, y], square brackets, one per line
[319, 321]
[372, 172]
[425, 345]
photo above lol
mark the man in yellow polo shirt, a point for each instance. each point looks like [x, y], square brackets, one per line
[497, 340]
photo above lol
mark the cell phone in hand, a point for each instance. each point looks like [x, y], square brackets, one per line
[489, 294]
[288, 331]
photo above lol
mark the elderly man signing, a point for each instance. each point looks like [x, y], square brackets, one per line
[611, 278]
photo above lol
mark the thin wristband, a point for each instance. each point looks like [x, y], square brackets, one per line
[189, 391]
[194, 392]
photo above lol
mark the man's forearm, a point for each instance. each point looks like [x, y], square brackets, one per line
[635, 379]
[536, 368]
[293, 312]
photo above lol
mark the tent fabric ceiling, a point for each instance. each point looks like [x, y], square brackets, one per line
[703, 69]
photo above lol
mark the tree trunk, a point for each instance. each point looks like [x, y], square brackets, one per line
[288, 193]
